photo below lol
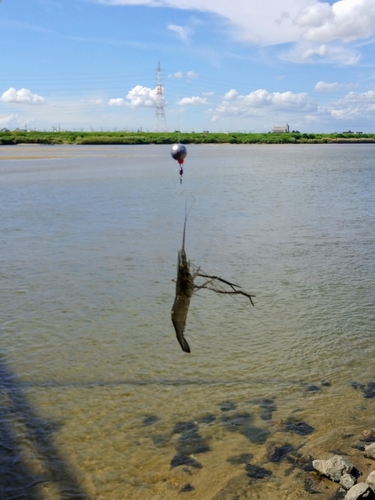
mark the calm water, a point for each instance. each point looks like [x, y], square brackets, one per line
[93, 380]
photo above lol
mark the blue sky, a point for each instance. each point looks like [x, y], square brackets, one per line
[226, 65]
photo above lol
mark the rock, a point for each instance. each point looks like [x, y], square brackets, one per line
[325, 383]
[150, 419]
[370, 451]
[360, 490]
[369, 391]
[160, 440]
[334, 468]
[187, 487]
[180, 427]
[181, 459]
[312, 388]
[255, 434]
[347, 481]
[243, 458]
[368, 435]
[227, 406]
[300, 428]
[208, 419]
[276, 452]
[268, 407]
[191, 442]
[237, 421]
[371, 480]
[256, 472]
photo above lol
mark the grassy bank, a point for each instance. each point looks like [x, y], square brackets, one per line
[34, 137]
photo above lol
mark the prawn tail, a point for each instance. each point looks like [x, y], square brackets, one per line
[184, 345]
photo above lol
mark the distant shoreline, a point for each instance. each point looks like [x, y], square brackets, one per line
[8, 138]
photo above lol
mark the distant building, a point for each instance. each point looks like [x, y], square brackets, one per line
[283, 129]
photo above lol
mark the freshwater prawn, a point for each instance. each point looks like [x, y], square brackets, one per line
[185, 288]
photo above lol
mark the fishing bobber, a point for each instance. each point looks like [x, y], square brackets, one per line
[179, 153]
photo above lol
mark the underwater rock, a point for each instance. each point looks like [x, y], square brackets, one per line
[333, 468]
[256, 472]
[357, 386]
[181, 459]
[237, 421]
[325, 383]
[160, 440]
[268, 406]
[300, 428]
[180, 427]
[312, 388]
[276, 452]
[368, 390]
[191, 442]
[311, 486]
[255, 435]
[227, 406]
[150, 419]
[243, 458]
[187, 487]
[241, 422]
[208, 419]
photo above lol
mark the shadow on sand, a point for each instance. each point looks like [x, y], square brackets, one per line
[31, 467]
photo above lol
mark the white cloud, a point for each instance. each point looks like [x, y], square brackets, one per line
[309, 52]
[192, 100]
[321, 51]
[182, 32]
[96, 102]
[139, 96]
[118, 101]
[331, 87]
[345, 20]
[231, 94]
[142, 97]
[278, 21]
[24, 96]
[355, 106]
[256, 102]
[190, 75]
[178, 74]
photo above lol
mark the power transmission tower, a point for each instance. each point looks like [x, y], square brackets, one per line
[160, 121]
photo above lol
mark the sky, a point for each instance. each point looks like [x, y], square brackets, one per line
[225, 65]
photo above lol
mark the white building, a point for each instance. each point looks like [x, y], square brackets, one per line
[283, 129]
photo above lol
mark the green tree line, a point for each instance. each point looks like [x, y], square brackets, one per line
[69, 137]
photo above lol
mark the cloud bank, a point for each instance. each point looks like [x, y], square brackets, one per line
[280, 21]
[24, 96]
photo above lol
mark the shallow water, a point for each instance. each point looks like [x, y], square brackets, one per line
[93, 379]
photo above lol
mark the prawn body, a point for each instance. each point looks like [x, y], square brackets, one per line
[185, 288]
[184, 292]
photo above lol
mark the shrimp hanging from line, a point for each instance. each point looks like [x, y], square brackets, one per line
[185, 288]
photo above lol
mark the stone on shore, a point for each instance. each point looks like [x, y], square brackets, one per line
[360, 490]
[371, 480]
[370, 451]
[347, 481]
[334, 468]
